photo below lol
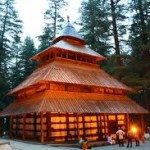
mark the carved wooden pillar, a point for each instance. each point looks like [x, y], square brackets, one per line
[142, 127]
[105, 125]
[67, 126]
[23, 126]
[48, 125]
[78, 130]
[11, 126]
[127, 122]
[97, 121]
[35, 125]
[42, 127]
[83, 122]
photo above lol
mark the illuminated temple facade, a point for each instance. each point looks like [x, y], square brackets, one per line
[69, 96]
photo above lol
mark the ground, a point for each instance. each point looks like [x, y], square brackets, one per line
[20, 145]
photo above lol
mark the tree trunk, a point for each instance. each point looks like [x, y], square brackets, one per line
[115, 33]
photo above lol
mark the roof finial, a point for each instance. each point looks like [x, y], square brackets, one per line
[68, 18]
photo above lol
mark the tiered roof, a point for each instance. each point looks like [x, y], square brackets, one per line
[68, 72]
[73, 102]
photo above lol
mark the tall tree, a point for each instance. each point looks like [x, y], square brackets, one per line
[27, 51]
[117, 12]
[45, 39]
[53, 21]
[104, 29]
[139, 42]
[95, 25]
[115, 30]
[16, 70]
[10, 30]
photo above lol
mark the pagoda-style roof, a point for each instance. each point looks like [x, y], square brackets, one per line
[71, 72]
[72, 102]
[69, 40]
[69, 32]
[66, 45]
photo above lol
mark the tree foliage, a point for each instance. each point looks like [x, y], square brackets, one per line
[28, 50]
[104, 28]
[10, 30]
[139, 41]
[95, 25]
[53, 23]
[45, 39]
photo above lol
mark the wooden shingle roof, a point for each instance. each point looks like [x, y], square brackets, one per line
[66, 46]
[72, 102]
[73, 73]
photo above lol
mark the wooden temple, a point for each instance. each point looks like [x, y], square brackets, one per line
[69, 96]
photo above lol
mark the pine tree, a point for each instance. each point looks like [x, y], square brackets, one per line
[27, 51]
[139, 42]
[45, 39]
[104, 30]
[10, 30]
[95, 25]
[15, 74]
[117, 62]
[53, 21]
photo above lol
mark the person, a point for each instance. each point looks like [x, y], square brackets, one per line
[110, 140]
[86, 145]
[129, 138]
[120, 133]
[137, 140]
[81, 140]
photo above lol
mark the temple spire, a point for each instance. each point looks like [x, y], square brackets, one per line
[70, 32]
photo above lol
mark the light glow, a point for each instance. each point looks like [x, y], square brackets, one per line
[134, 129]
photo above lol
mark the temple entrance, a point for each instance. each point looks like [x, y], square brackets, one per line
[112, 127]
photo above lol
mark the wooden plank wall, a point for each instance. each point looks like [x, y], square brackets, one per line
[60, 127]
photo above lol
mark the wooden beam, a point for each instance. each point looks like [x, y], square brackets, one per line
[35, 124]
[78, 130]
[42, 127]
[98, 125]
[67, 126]
[24, 126]
[48, 125]
[11, 127]
[100, 131]
[17, 125]
[105, 124]
[142, 127]
[126, 123]
[83, 121]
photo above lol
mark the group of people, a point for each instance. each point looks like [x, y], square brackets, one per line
[120, 136]
[130, 136]
[83, 143]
